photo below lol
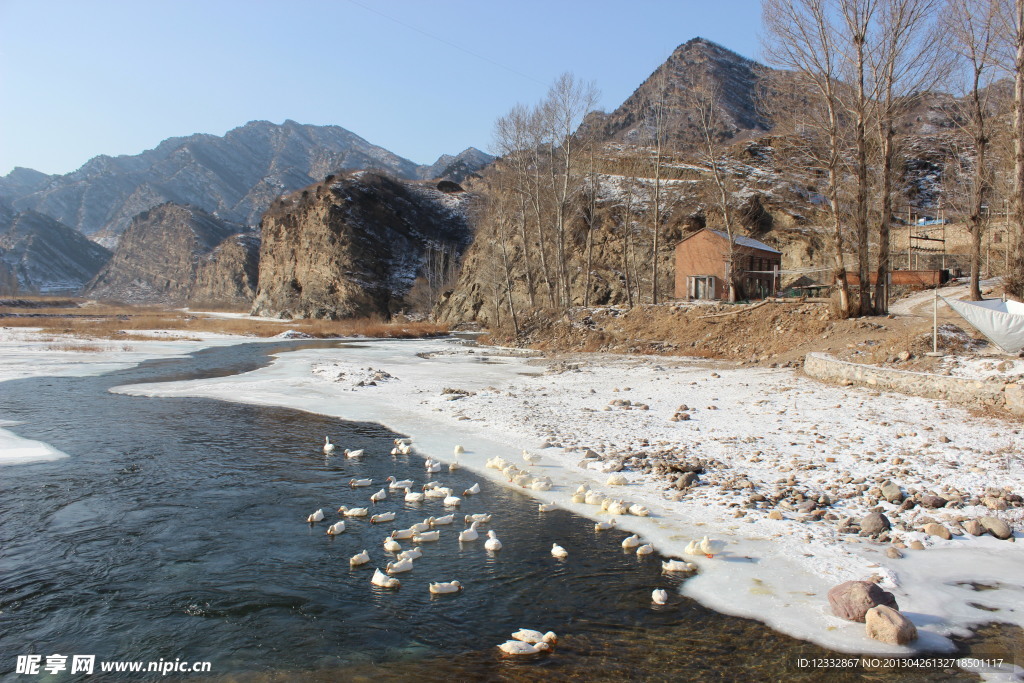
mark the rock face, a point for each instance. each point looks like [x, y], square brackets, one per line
[852, 600]
[354, 246]
[39, 254]
[229, 273]
[889, 626]
[172, 253]
[236, 176]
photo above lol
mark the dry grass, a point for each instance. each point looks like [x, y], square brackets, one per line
[121, 322]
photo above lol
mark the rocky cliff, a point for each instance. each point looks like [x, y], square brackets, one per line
[42, 255]
[354, 246]
[175, 253]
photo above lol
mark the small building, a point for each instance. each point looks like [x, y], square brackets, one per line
[702, 260]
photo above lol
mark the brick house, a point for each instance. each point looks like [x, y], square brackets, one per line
[702, 260]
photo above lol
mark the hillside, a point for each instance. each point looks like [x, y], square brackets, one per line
[173, 254]
[354, 246]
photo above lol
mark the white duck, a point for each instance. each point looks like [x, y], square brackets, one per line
[441, 521]
[395, 484]
[354, 454]
[403, 441]
[357, 483]
[472, 490]
[405, 448]
[470, 534]
[317, 516]
[638, 510]
[421, 526]
[458, 450]
[518, 647]
[437, 492]
[604, 526]
[631, 542]
[391, 545]
[710, 548]
[384, 581]
[411, 554]
[617, 507]
[659, 596]
[524, 480]
[382, 517]
[399, 567]
[531, 458]
[426, 537]
[579, 497]
[452, 501]
[379, 496]
[358, 559]
[336, 528]
[328, 446]
[645, 549]
[617, 480]
[532, 637]
[353, 512]
[558, 551]
[673, 565]
[546, 507]
[432, 466]
[414, 496]
[482, 517]
[402, 534]
[541, 484]
[593, 498]
[693, 548]
[492, 542]
[453, 466]
[441, 587]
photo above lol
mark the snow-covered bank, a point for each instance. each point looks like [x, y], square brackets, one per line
[758, 431]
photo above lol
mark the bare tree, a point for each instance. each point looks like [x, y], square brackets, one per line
[971, 27]
[657, 132]
[905, 62]
[801, 37]
[1012, 14]
[703, 100]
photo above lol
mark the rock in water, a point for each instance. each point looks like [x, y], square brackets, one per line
[875, 523]
[889, 626]
[851, 600]
[996, 527]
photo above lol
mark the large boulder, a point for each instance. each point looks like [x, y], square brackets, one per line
[875, 523]
[852, 600]
[997, 527]
[889, 626]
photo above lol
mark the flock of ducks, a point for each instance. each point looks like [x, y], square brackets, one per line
[524, 641]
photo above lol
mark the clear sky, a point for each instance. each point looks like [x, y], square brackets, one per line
[421, 78]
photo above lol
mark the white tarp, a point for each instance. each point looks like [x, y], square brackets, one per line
[1001, 321]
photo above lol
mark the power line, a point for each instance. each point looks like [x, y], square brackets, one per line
[447, 42]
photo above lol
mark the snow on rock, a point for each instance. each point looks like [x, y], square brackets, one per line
[778, 466]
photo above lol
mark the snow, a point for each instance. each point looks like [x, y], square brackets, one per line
[769, 425]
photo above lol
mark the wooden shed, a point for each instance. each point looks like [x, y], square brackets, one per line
[702, 261]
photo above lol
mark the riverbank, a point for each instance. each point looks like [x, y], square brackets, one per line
[755, 432]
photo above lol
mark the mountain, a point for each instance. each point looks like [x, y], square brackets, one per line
[45, 255]
[234, 177]
[456, 168]
[173, 253]
[360, 245]
[696, 62]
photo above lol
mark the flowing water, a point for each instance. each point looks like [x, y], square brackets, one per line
[176, 529]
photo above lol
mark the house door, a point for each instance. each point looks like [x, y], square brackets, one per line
[703, 287]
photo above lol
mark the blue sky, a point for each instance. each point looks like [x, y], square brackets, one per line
[419, 78]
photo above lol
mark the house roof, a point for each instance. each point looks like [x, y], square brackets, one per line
[747, 242]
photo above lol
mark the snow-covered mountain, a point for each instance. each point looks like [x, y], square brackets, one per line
[234, 177]
[44, 255]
